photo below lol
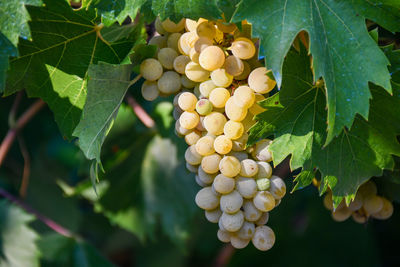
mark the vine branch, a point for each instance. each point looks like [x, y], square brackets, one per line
[140, 112]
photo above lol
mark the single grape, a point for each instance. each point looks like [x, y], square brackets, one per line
[251, 213]
[240, 155]
[196, 73]
[386, 211]
[189, 119]
[204, 107]
[233, 111]
[244, 97]
[190, 25]
[263, 238]
[202, 43]
[248, 168]
[229, 166]
[233, 65]
[200, 126]
[166, 56]
[211, 58]
[205, 145]
[264, 201]
[180, 63]
[150, 90]
[191, 168]
[243, 48]
[206, 199]
[186, 42]
[180, 130]
[218, 97]
[263, 219]
[232, 202]
[214, 123]
[199, 182]
[247, 187]
[192, 137]
[171, 26]
[226, 27]
[151, 69]
[221, 78]
[213, 215]
[264, 170]
[263, 184]
[223, 184]
[187, 101]
[240, 144]
[245, 73]
[223, 236]
[186, 82]
[341, 215]
[169, 83]
[205, 177]
[159, 28]
[368, 189]
[206, 29]
[328, 203]
[277, 187]
[210, 163]
[261, 151]
[222, 145]
[373, 204]
[232, 222]
[260, 82]
[256, 109]
[172, 41]
[233, 129]
[192, 157]
[359, 218]
[357, 203]
[194, 55]
[238, 242]
[159, 40]
[247, 230]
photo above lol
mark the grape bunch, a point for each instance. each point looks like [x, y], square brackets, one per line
[212, 68]
[365, 205]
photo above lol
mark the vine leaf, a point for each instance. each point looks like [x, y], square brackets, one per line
[13, 24]
[54, 64]
[343, 52]
[296, 116]
[18, 240]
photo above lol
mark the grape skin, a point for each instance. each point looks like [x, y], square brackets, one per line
[171, 26]
[187, 101]
[218, 97]
[229, 166]
[264, 201]
[232, 222]
[180, 63]
[222, 145]
[247, 187]
[150, 90]
[223, 184]
[169, 83]
[206, 199]
[196, 73]
[166, 57]
[221, 78]
[263, 238]
[260, 82]
[212, 58]
[232, 202]
[243, 48]
[189, 120]
[210, 163]
[151, 69]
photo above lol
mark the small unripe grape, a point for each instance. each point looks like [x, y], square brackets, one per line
[213, 215]
[204, 107]
[221, 78]
[173, 39]
[263, 238]
[232, 202]
[222, 145]
[202, 43]
[206, 87]
[251, 213]
[206, 29]
[261, 151]
[196, 73]
[224, 236]
[373, 204]
[205, 177]
[210, 163]
[233, 111]
[229, 166]
[189, 120]
[159, 40]
[159, 28]
[232, 222]
[187, 101]
[263, 219]
[211, 58]
[166, 56]
[192, 157]
[150, 90]
[151, 69]
[341, 215]
[386, 211]
[264, 201]
[238, 242]
[245, 73]
[239, 155]
[233, 129]
[192, 137]
[263, 184]
[243, 48]
[359, 218]
[264, 169]
[277, 187]
[169, 83]
[256, 109]
[191, 168]
[180, 63]
[244, 97]
[233, 65]
[248, 168]
[357, 203]
[218, 97]
[205, 145]
[240, 144]
[206, 199]
[214, 123]
[223, 184]
[180, 130]
[247, 230]
[186, 42]
[171, 26]
[247, 187]
[260, 82]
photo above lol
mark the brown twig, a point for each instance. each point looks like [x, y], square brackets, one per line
[140, 112]
[224, 256]
[27, 167]
[13, 110]
[21, 122]
[47, 221]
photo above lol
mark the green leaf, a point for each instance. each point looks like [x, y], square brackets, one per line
[106, 89]
[54, 65]
[343, 52]
[117, 10]
[17, 239]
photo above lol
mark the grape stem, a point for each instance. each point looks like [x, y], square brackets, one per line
[19, 124]
[47, 221]
[224, 256]
[140, 112]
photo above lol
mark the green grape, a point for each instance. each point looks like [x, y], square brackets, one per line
[180, 63]
[218, 97]
[240, 155]
[186, 82]
[263, 184]
[191, 168]
[166, 56]
[204, 107]
[169, 83]
[357, 203]
[150, 90]
[245, 73]
[159, 40]
[196, 73]
[151, 69]
[256, 109]
[240, 144]
[192, 157]
[159, 28]
[172, 41]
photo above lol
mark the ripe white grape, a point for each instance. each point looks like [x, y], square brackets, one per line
[240, 144]
[191, 167]
[240, 155]
[196, 73]
[233, 111]
[248, 121]
[190, 25]
[180, 63]
[205, 145]
[205, 177]
[169, 83]
[277, 187]
[206, 88]
[159, 28]
[264, 201]
[194, 55]
[264, 169]
[263, 219]
[213, 215]
[341, 215]
[166, 56]
[200, 126]
[211, 58]
[172, 41]
[189, 119]
[224, 236]
[261, 151]
[202, 43]
[221, 78]
[233, 65]
[186, 82]
[243, 48]
[233, 129]
[251, 213]
[263, 238]
[263, 184]
[244, 97]
[247, 187]
[180, 130]
[260, 82]
[204, 107]
[206, 199]
[150, 90]
[232, 222]
[222, 145]
[218, 97]
[248, 168]
[214, 123]
[171, 26]
[238, 242]
[256, 109]
[192, 157]
[175, 101]
[199, 182]
[223, 184]
[357, 203]
[187, 101]
[373, 204]
[247, 230]
[151, 69]
[231, 203]
[226, 27]
[192, 137]
[229, 166]
[245, 73]
[186, 42]
[368, 189]
[386, 211]
[210, 163]
[158, 40]
[206, 29]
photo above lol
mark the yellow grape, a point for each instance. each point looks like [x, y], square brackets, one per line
[368, 189]
[206, 199]
[192, 157]
[234, 65]
[357, 203]
[171, 26]
[210, 163]
[261, 151]
[166, 56]
[341, 215]
[243, 48]
[206, 29]
[192, 137]
[205, 177]
[169, 83]
[233, 129]
[186, 42]
[359, 218]
[256, 109]
[194, 56]
[187, 101]
[264, 170]
[180, 63]
[190, 25]
[247, 230]
[204, 107]
[260, 82]
[189, 120]
[206, 87]
[151, 69]
[229, 166]
[214, 123]
[226, 27]
[180, 130]
[221, 78]
[218, 97]
[202, 43]
[233, 111]
[244, 97]
[263, 238]
[238, 242]
[222, 145]
[240, 143]
[212, 58]
[205, 145]
[373, 204]
[172, 41]
[158, 40]
[386, 211]
[245, 73]
[277, 187]
[196, 73]
[263, 219]
[264, 201]
[150, 90]
[248, 168]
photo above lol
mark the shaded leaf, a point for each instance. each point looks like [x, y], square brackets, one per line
[117, 10]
